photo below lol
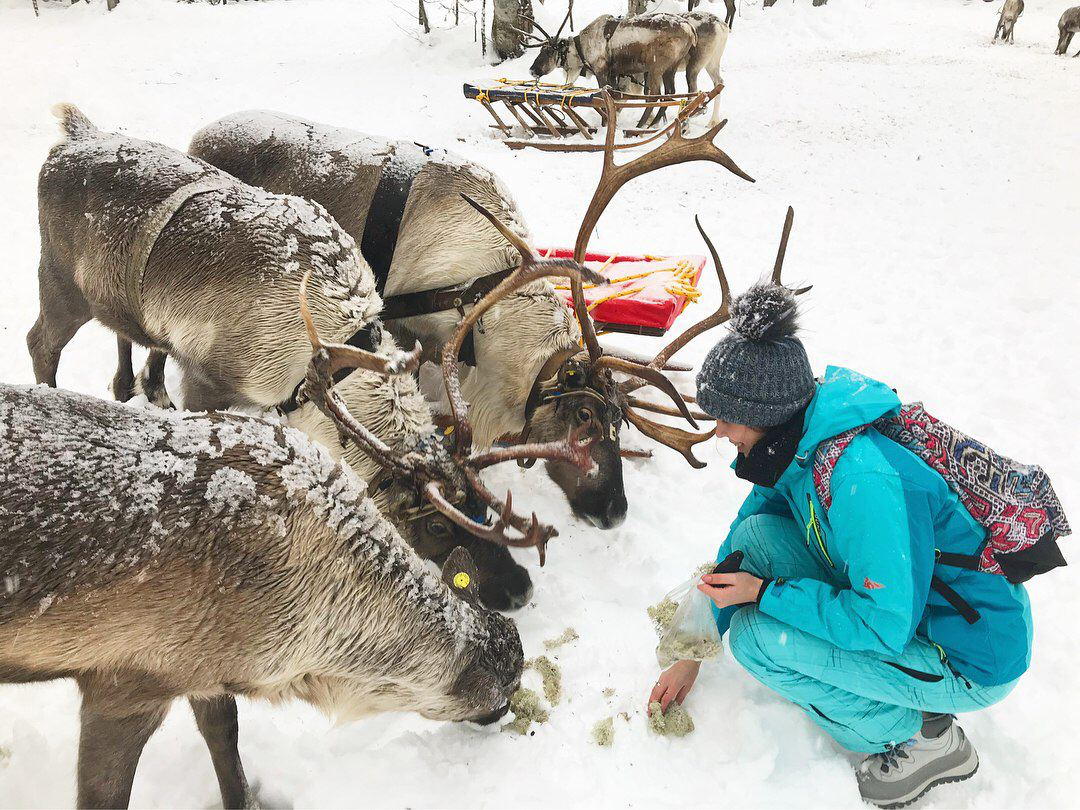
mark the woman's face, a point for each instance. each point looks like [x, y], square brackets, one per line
[743, 437]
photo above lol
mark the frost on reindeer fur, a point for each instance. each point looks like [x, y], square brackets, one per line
[126, 473]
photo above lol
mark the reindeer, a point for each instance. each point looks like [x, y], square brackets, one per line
[1010, 12]
[174, 253]
[163, 248]
[531, 375]
[151, 556]
[729, 20]
[1068, 25]
[652, 45]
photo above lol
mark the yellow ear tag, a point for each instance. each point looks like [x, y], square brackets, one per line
[461, 580]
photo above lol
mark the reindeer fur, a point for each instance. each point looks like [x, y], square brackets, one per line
[1068, 25]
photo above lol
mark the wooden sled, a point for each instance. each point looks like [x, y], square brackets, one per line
[550, 113]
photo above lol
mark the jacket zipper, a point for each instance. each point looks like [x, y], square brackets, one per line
[813, 526]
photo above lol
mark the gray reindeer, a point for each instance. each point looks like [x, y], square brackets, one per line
[1010, 13]
[1068, 25]
[151, 556]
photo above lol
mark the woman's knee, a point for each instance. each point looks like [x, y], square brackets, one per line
[749, 637]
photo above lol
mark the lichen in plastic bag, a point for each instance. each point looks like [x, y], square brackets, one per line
[691, 634]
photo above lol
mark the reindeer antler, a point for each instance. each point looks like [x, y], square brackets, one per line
[781, 252]
[677, 439]
[340, 356]
[675, 148]
[574, 450]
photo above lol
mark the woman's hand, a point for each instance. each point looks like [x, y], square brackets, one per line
[725, 590]
[674, 683]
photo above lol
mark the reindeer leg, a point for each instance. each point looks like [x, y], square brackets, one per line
[151, 382]
[123, 383]
[216, 718]
[63, 312]
[669, 88]
[116, 723]
[652, 88]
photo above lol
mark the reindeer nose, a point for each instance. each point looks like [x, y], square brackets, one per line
[615, 513]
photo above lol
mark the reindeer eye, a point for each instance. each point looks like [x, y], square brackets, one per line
[437, 528]
[584, 416]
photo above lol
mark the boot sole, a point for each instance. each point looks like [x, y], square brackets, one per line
[944, 780]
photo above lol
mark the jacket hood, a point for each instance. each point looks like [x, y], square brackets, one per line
[844, 399]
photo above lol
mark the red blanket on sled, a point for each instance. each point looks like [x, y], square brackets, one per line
[646, 293]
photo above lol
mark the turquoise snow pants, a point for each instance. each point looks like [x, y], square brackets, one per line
[859, 698]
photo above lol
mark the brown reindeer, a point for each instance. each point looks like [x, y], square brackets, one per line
[712, 36]
[1068, 25]
[152, 556]
[651, 45]
[164, 249]
[1010, 12]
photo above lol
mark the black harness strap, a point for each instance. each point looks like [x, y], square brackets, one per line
[440, 299]
[367, 339]
[388, 207]
[969, 562]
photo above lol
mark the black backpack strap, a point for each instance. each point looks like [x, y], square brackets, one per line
[970, 614]
[968, 562]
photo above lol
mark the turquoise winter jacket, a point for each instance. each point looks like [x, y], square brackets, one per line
[890, 512]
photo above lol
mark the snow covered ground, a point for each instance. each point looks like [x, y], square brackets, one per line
[936, 182]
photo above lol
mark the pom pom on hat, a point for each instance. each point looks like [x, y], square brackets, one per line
[765, 312]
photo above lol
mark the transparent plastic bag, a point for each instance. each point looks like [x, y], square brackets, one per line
[684, 618]
[692, 634]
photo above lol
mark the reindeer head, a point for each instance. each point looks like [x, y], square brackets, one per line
[554, 51]
[489, 668]
[492, 672]
[571, 394]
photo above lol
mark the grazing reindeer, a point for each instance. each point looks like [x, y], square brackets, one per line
[165, 249]
[530, 374]
[436, 242]
[652, 45]
[729, 20]
[1010, 12]
[1068, 25]
[152, 555]
[212, 278]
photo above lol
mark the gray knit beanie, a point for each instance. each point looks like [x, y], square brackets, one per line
[759, 374]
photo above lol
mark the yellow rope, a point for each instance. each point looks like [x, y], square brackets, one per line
[482, 95]
[619, 294]
[682, 283]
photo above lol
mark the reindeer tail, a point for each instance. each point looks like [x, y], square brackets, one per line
[72, 121]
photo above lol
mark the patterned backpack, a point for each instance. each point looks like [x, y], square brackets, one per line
[1014, 502]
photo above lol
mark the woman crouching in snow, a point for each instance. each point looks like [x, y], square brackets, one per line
[835, 609]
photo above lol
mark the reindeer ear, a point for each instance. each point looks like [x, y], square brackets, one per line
[459, 574]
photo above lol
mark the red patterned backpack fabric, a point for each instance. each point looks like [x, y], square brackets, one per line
[1014, 502]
